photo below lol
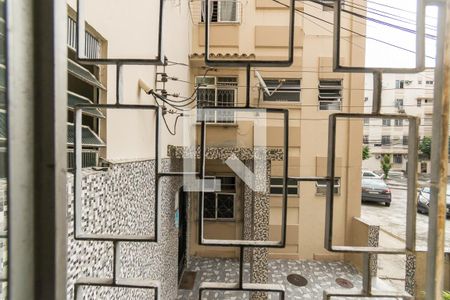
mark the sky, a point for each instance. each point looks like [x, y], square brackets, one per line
[380, 55]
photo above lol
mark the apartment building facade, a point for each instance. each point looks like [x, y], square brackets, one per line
[309, 90]
[410, 94]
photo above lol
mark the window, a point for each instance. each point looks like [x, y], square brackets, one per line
[288, 91]
[428, 101]
[419, 102]
[321, 187]
[398, 122]
[365, 139]
[419, 82]
[386, 122]
[216, 92]
[92, 44]
[84, 87]
[366, 121]
[276, 186]
[399, 103]
[399, 84]
[405, 140]
[330, 94]
[385, 140]
[220, 205]
[221, 11]
[398, 158]
[429, 82]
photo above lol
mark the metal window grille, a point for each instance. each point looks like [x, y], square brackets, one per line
[92, 44]
[217, 92]
[89, 158]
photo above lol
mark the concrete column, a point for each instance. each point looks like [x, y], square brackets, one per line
[256, 225]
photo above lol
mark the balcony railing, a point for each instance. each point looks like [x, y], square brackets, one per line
[89, 158]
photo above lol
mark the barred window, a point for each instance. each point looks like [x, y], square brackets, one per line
[220, 205]
[221, 11]
[216, 92]
[92, 44]
[330, 94]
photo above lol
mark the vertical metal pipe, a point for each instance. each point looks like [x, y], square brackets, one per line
[377, 92]
[119, 84]
[411, 208]
[241, 266]
[20, 150]
[248, 87]
[50, 154]
[439, 157]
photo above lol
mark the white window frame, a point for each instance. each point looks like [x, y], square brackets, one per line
[281, 186]
[216, 86]
[281, 90]
[219, 20]
[321, 187]
[216, 196]
[330, 102]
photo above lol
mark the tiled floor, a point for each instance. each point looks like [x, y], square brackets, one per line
[320, 276]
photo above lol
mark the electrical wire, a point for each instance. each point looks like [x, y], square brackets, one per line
[174, 132]
[351, 31]
[374, 20]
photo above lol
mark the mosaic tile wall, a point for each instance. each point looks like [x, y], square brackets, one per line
[121, 201]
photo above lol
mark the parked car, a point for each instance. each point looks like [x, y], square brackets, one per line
[375, 190]
[423, 200]
[369, 174]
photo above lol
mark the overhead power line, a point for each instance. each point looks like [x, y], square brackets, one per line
[352, 31]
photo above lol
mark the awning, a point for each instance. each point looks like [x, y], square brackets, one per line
[83, 74]
[88, 137]
[74, 99]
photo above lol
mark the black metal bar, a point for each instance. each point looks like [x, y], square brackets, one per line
[247, 88]
[254, 63]
[158, 60]
[241, 266]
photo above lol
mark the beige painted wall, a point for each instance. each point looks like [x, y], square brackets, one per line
[309, 126]
[130, 31]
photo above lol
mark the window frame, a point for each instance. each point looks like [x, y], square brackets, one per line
[386, 122]
[216, 87]
[388, 137]
[394, 156]
[216, 197]
[289, 186]
[219, 20]
[327, 103]
[281, 91]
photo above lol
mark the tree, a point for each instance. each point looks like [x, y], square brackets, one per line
[386, 165]
[365, 152]
[425, 147]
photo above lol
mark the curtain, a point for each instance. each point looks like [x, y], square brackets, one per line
[210, 10]
[228, 11]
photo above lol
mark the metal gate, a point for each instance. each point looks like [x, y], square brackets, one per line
[36, 164]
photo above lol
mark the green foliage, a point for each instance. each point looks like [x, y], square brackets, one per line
[386, 165]
[446, 295]
[365, 152]
[425, 147]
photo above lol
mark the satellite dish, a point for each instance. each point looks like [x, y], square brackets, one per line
[262, 83]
